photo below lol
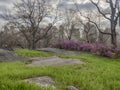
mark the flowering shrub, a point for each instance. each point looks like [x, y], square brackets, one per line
[99, 49]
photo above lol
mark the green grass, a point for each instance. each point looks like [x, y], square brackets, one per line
[32, 53]
[97, 73]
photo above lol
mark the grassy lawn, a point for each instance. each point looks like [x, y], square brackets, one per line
[32, 53]
[97, 73]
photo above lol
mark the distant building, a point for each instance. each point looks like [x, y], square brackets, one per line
[72, 32]
[90, 34]
[76, 32]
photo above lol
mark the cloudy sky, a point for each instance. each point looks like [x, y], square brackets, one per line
[63, 4]
[8, 4]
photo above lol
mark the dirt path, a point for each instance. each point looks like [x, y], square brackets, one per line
[53, 61]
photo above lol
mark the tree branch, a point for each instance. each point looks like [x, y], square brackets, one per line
[99, 10]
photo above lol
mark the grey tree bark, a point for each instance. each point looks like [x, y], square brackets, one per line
[113, 19]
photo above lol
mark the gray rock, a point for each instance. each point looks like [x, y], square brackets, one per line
[44, 81]
[59, 51]
[6, 55]
[53, 61]
[72, 88]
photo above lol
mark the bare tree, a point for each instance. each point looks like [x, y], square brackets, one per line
[104, 38]
[9, 37]
[90, 32]
[29, 17]
[113, 19]
[61, 32]
[69, 24]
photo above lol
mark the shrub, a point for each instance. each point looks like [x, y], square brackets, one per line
[99, 49]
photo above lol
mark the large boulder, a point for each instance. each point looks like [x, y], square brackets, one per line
[6, 55]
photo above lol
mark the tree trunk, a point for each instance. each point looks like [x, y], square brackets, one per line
[29, 45]
[87, 37]
[33, 43]
[114, 38]
[70, 35]
[113, 34]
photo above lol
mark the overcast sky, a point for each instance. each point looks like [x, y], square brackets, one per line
[7, 4]
[63, 4]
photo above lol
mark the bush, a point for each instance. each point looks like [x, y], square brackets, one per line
[99, 49]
